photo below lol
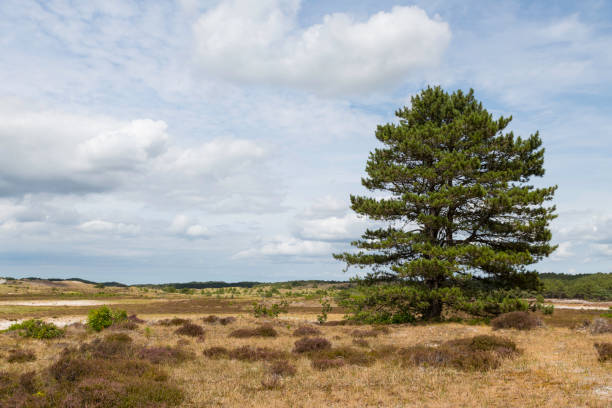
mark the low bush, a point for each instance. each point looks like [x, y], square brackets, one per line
[282, 368]
[326, 363]
[347, 354]
[20, 356]
[190, 329]
[306, 331]
[116, 345]
[516, 320]
[248, 353]
[135, 319]
[310, 344]
[175, 321]
[477, 353]
[361, 342]
[600, 325]
[123, 325]
[103, 317]
[273, 310]
[227, 320]
[37, 329]
[364, 333]
[216, 352]
[265, 330]
[604, 351]
[166, 355]
[210, 319]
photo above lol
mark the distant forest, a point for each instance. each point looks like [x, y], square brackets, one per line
[595, 286]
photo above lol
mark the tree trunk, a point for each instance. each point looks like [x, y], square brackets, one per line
[435, 310]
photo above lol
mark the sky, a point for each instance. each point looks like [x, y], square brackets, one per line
[169, 141]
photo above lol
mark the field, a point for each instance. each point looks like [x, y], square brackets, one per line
[555, 366]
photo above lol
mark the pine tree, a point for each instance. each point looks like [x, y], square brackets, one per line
[457, 210]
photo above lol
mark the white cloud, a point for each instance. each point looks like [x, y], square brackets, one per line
[335, 228]
[185, 226]
[564, 251]
[288, 247]
[102, 226]
[260, 42]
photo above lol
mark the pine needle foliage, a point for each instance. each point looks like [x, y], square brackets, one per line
[456, 209]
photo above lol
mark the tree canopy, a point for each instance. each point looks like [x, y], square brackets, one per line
[454, 201]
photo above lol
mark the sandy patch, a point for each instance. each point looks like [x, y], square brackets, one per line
[58, 321]
[85, 302]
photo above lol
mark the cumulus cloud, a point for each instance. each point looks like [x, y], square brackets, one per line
[288, 247]
[67, 154]
[260, 42]
[186, 227]
[102, 226]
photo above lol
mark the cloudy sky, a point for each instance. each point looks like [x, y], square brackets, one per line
[172, 141]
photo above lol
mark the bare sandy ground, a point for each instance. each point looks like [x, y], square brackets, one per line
[85, 302]
[58, 321]
[578, 304]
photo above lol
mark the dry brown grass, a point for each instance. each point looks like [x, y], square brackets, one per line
[558, 366]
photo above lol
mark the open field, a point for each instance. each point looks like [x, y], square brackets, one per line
[556, 365]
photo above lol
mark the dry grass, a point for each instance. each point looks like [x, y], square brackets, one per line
[604, 351]
[558, 367]
[265, 330]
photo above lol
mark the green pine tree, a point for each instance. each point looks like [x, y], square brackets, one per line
[457, 211]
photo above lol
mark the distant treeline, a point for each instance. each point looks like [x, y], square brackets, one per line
[113, 283]
[595, 286]
[245, 284]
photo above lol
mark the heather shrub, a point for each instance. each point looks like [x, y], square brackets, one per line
[347, 354]
[20, 356]
[282, 368]
[516, 320]
[216, 352]
[306, 331]
[175, 321]
[114, 346]
[190, 329]
[28, 381]
[364, 333]
[103, 317]
[476, 353]
[166, 355]
[326, 363]
[361, 342]
[604, 351]
[135, 319]
[600, 325]
[248, 353]
[310, 344]
[227, 320]
[210, 319]
[37, 329]
[265, 330]
[124, 325]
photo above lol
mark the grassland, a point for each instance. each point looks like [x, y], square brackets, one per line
[557, 365]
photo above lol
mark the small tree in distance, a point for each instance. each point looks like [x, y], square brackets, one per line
[462, 222]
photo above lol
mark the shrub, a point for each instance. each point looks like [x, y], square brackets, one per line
[361, 342]
[175, 321]
[264, 330]
[347, 354]
[516, 320]
[326, 363]
[124, 325]
[210, 319]
[20, 356]
[364, 333]
[262, 310]
[227, 320]
[112, 346]
[167, 355]
[306, 331]
[190, 329]
[600, 325]
[216, 352]
[282, 368]
[309, 344]
[135, 319]
[103, 317]
[604, 351]
[476, 353]
[37, 329]
[248, 353]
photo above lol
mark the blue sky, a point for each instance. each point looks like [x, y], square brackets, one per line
[220, 140]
